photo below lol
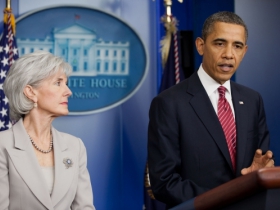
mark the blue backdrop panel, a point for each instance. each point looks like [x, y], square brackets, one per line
[260, 67]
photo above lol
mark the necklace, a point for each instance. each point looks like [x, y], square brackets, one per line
[43, 151]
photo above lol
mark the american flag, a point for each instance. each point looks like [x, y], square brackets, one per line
[8, 53]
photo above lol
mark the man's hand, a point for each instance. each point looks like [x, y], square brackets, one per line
[259, 161]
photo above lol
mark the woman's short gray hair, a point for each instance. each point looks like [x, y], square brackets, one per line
[30, 69]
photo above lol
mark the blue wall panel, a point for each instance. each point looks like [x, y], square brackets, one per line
[260, 67]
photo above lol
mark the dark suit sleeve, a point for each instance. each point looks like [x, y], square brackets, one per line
[164, 155]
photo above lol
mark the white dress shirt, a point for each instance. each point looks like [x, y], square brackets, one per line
[211, 87]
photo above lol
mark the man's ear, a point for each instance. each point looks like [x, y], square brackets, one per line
[30, 93]
[199, 43]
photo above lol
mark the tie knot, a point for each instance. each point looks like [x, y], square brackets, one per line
[222, 91]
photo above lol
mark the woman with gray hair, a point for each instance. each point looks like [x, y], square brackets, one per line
[40, 167]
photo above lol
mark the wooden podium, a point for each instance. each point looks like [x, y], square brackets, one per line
[259, 190]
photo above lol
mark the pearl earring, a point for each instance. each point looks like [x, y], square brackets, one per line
[35, 105]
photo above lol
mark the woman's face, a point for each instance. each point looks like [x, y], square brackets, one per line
[52, 95]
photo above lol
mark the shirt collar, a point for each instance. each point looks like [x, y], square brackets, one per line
[209, 84]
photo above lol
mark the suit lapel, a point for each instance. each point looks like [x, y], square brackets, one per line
[241, 126]
[63, 175]
[206, 113]
[25, 162]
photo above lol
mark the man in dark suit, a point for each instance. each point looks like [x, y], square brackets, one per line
[190, 149]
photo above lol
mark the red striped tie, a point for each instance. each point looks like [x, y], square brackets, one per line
[228, 123]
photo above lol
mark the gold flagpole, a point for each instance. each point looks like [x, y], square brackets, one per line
[8, 4]
[168, 4]
[170, 24]
[8, 12]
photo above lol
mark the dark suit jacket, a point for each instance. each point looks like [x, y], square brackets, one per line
[187, 150]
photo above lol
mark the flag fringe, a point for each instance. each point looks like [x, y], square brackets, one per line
[165, 42]
[148, 184]
[13, 21]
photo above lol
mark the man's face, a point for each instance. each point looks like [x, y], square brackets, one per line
[223, 50]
